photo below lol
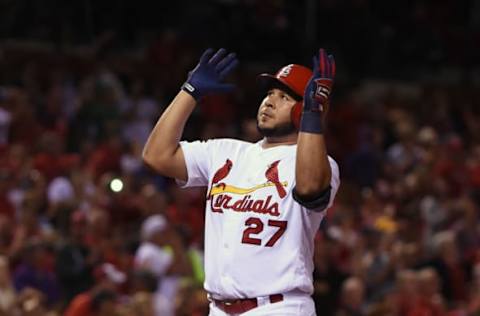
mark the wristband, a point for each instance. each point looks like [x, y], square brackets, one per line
[311, 123]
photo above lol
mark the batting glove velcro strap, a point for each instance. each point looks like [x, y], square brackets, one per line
[188, 88]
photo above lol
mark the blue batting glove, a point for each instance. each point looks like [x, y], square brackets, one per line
[317, 93]
[206, 78]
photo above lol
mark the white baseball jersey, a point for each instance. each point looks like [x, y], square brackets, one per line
[258, 239]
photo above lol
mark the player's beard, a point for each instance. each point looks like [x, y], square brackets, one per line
[280, 130]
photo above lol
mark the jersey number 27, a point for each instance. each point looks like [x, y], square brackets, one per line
[255, 227]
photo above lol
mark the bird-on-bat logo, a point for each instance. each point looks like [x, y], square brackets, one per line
[220, 174]
[272, 175]
[224, 196]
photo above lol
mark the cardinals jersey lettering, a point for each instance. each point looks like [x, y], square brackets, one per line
[258, 239]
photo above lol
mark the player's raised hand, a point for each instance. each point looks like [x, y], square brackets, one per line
[207, 77]
[320, 85]
[317, 92]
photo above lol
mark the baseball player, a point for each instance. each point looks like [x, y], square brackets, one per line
[265, 200]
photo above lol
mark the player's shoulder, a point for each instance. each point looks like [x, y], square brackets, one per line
[214, 143]
[228, 144]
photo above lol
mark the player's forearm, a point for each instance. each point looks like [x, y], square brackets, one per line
[312, 170]
[164, 139]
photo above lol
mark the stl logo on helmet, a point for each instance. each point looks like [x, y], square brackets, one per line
[285, 71]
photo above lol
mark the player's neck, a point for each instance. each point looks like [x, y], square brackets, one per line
[269, 142]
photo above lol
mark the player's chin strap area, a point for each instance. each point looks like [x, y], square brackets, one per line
[239, 306]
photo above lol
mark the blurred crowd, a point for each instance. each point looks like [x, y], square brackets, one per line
[370, 37]
[87, 229]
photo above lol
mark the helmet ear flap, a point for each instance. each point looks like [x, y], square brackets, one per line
[296, 114]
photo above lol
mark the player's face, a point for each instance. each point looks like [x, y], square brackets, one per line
[273, 118]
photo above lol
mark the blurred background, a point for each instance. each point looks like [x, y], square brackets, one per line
[87, 229]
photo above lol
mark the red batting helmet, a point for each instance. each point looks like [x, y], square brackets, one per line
[292, 79]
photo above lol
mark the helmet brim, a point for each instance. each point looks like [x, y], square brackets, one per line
[268, 81]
